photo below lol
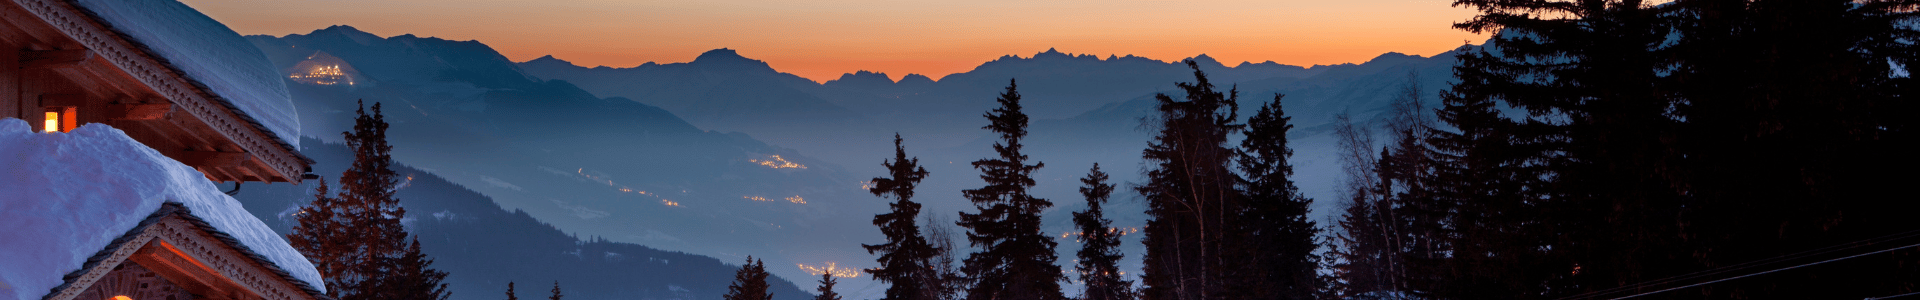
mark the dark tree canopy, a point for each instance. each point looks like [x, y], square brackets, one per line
[826, 288]
[1274, 244]
[1191, 192]
[904, 258]
[1594, 147]
[750, 283]
[355, 237]
[1016, 260]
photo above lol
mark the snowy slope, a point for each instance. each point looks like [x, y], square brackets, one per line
[210, 54]
[68, 195]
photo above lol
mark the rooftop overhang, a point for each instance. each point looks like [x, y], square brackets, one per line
[67, 57]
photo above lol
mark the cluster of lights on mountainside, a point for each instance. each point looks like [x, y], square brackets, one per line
[624, 189]
[323, 75]
[778, 163]
[830, 268]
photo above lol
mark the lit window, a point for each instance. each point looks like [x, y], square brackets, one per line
[53, 124]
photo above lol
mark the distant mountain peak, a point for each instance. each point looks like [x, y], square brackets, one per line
[347, 31]
[863, 77]
[729, 57]
[1389, 56]
[1207, 61]
[722, 54]
[549, 59]
[912, 78]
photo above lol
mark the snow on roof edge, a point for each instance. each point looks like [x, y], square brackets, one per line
[208, 54]
[74, 193]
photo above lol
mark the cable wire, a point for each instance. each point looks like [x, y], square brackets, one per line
[1894, 296]
[1771, 271]
[1747, 265]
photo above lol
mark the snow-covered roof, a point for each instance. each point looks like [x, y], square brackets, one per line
[69, 195]
[210, 54]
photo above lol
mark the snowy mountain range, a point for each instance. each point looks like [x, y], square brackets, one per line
[726, 157]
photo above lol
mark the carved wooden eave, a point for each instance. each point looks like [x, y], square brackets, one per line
[188, 252]
[129, 87]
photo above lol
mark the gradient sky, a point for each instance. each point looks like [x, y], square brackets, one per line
[821, 39]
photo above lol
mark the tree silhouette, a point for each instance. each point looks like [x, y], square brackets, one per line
[556, 291]
[356, 236]
[1276, 257]
[826, 288]
[905, 255]
[750, 283]
[414, 279]
[510, 295]
[1191, 192]
[1100, 243]
[1016, 260]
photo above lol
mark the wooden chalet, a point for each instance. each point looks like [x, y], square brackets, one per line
[119, 210]
[64, 65]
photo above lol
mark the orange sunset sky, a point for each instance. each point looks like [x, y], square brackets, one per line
[821, 39]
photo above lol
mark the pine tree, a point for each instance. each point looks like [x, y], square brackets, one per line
[321, 235]
[556, 291]
[1016, 260]
[826, 288]
[750, 283]
[415, 280]
[1100, 249]
[1364, 262]
[510, 295]
[1276, 253]
[904, 258]
[356, 235]
[1191, 193]
[1593, 78]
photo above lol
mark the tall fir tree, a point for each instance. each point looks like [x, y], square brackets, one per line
[1365, 263]
[1591, 75]
[556, 291]
[1670, 138]
[1100, 243]
[905, 255]
[1191, 192]
[361, 224]
[321, 235]
[1016, 260]
[826, 288]
[749, 283]
[1277, 256]
[414, 277]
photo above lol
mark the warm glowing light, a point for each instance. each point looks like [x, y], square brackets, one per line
[670, 202]
[778, 163]
[756, 198]
[623, 189]
[866, 185]
[1116, 231]
[122, 297]
[830, 268]
[323, 75]
[797, 199]
[53, 122]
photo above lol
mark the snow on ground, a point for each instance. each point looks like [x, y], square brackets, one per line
[209, 53]
[66, 196]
